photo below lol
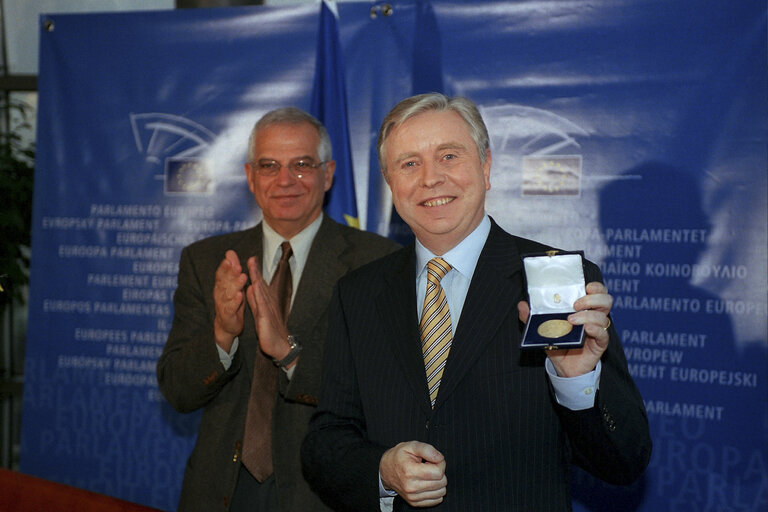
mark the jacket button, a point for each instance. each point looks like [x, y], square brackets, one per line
[238, 447]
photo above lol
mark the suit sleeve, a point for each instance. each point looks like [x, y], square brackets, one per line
[612, 439]
[360, 248]
[339, 462]
[189, 372]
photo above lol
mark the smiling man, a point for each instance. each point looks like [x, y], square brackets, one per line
[438, 178]
[427, 400]
[246, 352]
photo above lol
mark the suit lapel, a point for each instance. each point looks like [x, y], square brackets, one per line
[491, 298]
[325, 265]
[397, 309]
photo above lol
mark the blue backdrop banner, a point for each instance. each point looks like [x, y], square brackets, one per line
[634, 131]
[144, 122]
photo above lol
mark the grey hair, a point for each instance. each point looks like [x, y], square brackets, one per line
[437, 102]
[292, 115]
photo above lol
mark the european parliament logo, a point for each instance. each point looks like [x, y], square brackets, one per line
[177, 143]
[187, 176]
[551, 175]
[542, 146]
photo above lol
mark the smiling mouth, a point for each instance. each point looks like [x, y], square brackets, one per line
[437, 202]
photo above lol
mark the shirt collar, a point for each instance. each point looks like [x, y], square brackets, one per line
[464, 256]
[300, 244]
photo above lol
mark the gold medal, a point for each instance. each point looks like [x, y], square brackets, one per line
[554, 328]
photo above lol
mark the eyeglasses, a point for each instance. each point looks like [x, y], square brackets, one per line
[300, 167]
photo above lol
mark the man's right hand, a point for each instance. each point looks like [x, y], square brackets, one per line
[416, 471]
[229, 299]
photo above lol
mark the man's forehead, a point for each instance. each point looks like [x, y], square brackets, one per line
[278, 129]
[299, 138]
[433, 122]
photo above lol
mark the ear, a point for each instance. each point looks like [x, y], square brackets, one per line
[250, 175]
[487, 169]
[330, 168]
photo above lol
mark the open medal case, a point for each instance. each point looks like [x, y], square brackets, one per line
[555, 280]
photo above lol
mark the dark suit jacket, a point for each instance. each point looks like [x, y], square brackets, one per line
[507, 444]
[191, 376]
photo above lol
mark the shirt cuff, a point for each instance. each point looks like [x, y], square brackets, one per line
[575, 393]
[226, 358]
[385, 493]
[386, 504]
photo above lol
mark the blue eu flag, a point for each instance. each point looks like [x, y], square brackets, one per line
[329, 105]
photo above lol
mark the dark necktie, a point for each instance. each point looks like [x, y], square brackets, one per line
[281, 285]
[257, 440]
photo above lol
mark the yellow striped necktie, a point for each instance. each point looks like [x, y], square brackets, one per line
[435, 326]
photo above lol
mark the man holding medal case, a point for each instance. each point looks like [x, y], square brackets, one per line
[427, 398]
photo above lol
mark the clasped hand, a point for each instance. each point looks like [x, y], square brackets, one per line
[229, 296]
[416, 471]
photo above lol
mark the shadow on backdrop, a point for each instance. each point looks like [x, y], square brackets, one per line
[648, 199]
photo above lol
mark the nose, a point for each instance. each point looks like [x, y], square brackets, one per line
[431, 174]
[285, 176]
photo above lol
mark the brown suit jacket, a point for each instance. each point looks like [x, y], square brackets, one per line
[191, 376]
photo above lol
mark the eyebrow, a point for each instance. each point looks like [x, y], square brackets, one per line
[451, 145]
[441, 147]
[269, 159]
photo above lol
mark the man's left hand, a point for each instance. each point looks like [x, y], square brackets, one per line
[270, 326]
[591, 312]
